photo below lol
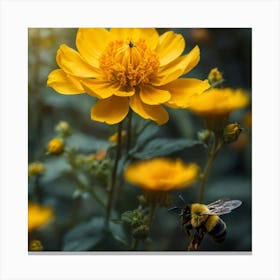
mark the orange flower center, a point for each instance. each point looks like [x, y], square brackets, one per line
[129, 63]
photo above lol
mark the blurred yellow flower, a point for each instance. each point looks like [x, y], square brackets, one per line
[216, 101]
[128, 68]
[38, 215]
[161, 174]
[36, 168]
[56, 146]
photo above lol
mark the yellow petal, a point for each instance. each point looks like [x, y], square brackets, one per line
[72, 63]
[153, 96]
[182, 89]
[111, 110]
[150, 35]
[99, 88]
[91, 42]
[177, 68]
[193, 59]
[63, 83]
[171, 46]
[103, 89]
[153, 112]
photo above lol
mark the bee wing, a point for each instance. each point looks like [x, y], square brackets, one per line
[221, 207]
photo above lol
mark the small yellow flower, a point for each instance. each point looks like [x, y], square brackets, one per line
[36, 245]
[161, 174]
[38, 215]
[114, 137]
[215, 106]
[36, 168]
[128, 68]
[215, 102]
[56, 146]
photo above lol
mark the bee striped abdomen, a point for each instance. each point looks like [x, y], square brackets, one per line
[218, 230]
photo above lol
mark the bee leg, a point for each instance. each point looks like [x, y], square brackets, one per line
[196, 239]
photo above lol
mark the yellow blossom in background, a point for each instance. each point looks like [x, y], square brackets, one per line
[36, 168]
[55, 146]
[114, 137]
[214, 102]
[128, 68]
[161, 174]
[36, 245]
[215, 106]
[38, 215]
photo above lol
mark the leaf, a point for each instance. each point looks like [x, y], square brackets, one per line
[84, 236]
[91, 235]
[164, 146]
[87, 143]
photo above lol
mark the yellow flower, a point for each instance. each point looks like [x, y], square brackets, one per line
[128, 68]
[55, 146]
[36, 245]
[114, 137]
[215, 105]
[161, 174]
[36, 168]
[38, 215]
[218, 101]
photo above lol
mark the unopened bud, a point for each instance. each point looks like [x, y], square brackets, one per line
[55, 146]
[36, 168]
[215, 77]
[63, 128]
[141, 232]
[231, 132]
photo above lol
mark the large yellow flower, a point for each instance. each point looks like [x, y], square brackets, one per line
[128, 68]
[38, 215]
[161, 174]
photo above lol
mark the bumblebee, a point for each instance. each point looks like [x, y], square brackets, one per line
[200, 219]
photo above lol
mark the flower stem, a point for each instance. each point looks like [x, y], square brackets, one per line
[114, 176]
[151, 214]
[128, 138]
[216, 147]
[134, 244]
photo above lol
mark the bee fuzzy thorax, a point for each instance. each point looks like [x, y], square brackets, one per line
[197, 217]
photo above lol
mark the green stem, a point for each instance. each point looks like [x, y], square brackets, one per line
[216, 147]
[134, 244]
[114, 176]
[128, 136]
[151, 214]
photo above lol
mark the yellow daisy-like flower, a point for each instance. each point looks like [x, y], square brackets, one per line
[216, 101]
[38, 215]
[161, 174]
[215, 106]
[128, 68]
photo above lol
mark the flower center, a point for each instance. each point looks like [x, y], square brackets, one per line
[129, 63]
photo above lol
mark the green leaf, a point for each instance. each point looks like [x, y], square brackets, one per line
[164, 146]
[91, 235]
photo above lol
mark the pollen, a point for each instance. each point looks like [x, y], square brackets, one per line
[129, 63]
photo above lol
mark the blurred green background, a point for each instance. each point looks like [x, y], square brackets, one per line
[229, 49]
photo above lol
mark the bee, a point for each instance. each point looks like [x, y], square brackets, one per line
[200, 219]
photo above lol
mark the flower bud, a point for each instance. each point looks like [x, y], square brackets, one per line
[231, 132]
[141, 232]
[63, 128]
[36, 168]
[55, 146]
[204, 136]
[36, 245]
[114, 137]
[215, 77]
